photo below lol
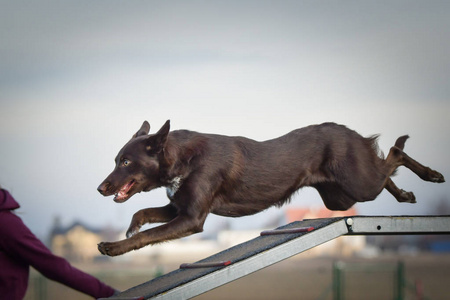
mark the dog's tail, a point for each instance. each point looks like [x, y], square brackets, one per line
[400, 142]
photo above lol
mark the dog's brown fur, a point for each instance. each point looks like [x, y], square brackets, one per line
[236, 176]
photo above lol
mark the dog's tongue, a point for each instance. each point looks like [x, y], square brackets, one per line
[123, 192]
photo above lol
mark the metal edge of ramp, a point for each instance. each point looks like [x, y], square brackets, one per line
[245, 258]
[388, 225]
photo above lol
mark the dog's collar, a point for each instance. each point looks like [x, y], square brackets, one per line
[173, 186]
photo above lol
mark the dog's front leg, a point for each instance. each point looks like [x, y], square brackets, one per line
[181, 226]
[151, 215]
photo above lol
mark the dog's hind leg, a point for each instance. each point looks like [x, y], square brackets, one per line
[399, 194]
[398, 158]
[420, 170]
[151, 215]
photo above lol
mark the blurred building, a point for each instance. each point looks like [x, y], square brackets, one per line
[78, 242]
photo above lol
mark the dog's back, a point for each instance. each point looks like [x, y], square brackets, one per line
[245, 176]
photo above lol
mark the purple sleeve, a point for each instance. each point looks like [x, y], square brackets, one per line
[21, 244]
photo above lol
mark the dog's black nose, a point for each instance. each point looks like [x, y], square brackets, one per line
[102, 188]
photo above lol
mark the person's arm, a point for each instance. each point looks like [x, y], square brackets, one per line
[21, 244]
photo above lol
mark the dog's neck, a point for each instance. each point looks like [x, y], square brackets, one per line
[173, 186]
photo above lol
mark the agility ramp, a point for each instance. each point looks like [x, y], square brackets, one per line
[274, 246]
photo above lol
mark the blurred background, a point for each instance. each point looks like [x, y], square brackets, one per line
[78, 79]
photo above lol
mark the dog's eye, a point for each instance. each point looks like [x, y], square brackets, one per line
[125, 162]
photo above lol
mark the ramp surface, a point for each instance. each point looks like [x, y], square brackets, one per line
[269, 249]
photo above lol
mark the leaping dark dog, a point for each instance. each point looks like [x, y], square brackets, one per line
[236, 176]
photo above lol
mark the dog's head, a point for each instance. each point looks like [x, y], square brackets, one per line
[137, 164]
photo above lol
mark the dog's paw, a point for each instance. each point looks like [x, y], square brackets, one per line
[132, 231]
[437, 177]
[103, 248]
[407, 197]
[110, 249]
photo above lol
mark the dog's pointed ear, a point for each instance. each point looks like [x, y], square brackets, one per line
[157, 141]
[162, 134]
[145, 129]
[164, 129]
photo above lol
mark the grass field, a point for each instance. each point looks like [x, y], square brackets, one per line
[295, 278]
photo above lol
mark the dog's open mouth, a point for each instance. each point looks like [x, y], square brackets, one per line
[122, 194]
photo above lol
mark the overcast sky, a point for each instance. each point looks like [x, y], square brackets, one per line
[77, 79]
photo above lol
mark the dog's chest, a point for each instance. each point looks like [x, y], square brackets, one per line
[173, 187]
